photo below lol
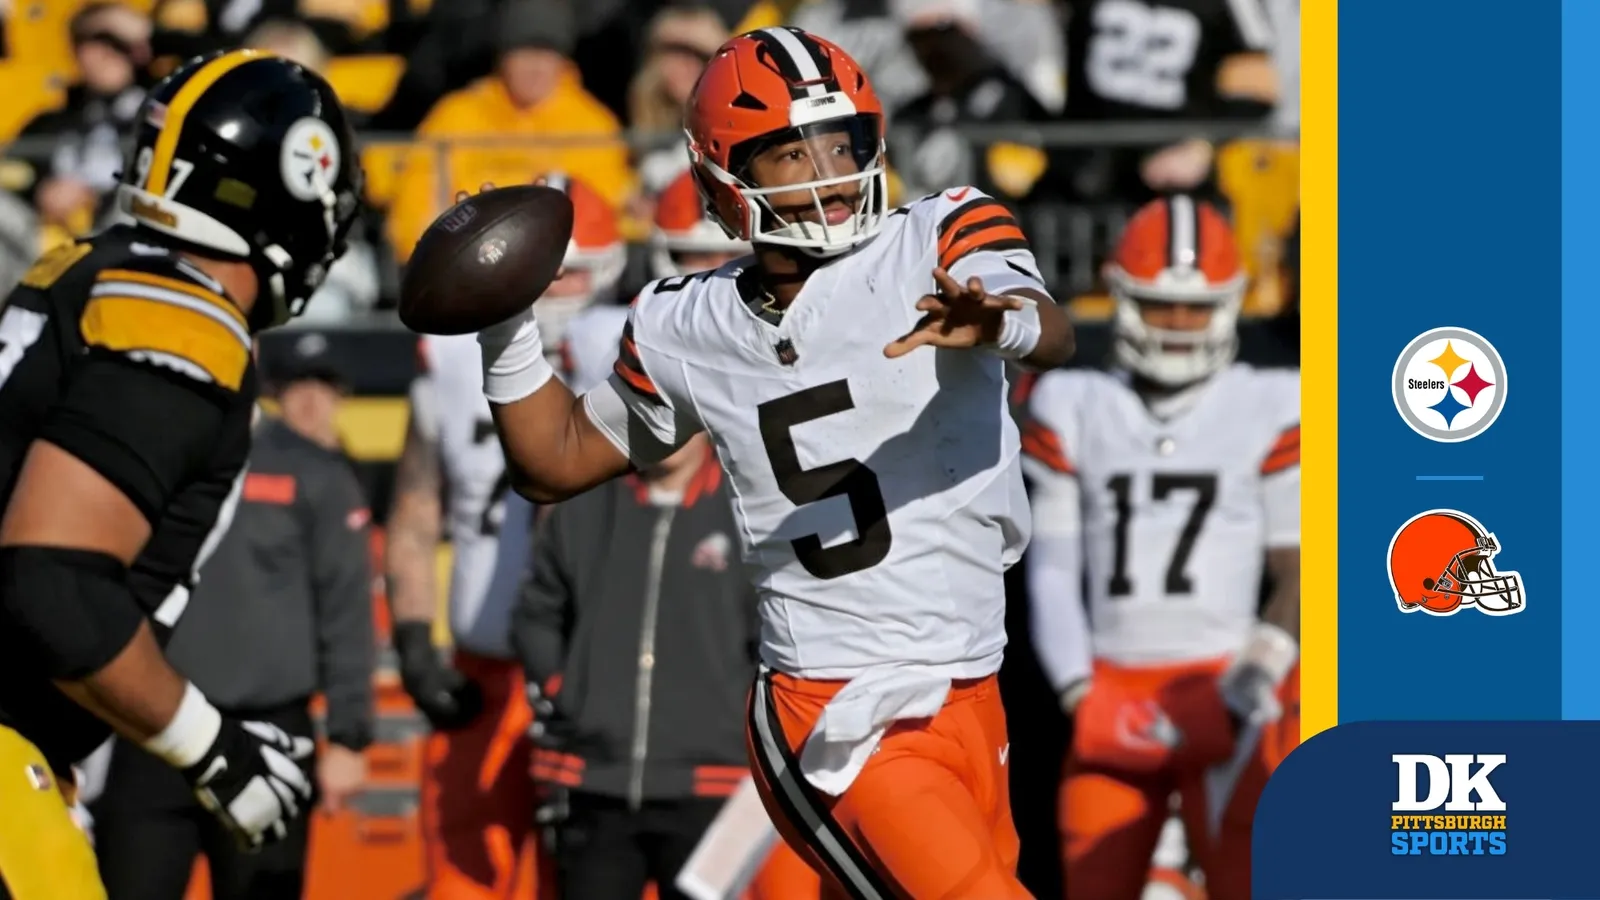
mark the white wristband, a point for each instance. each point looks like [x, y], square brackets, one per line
[1019, 330]
[513, 359]
[1272, 650]
[191, 732]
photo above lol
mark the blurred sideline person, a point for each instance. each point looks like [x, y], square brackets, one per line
[637, 633]
[681, 246]
[1173, 482]
[282, 610]
[126, 402]
[683, 241]
[477, 795]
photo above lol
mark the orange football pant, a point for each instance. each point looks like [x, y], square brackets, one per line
[1111, 818]
[478, 797]
[928, 817]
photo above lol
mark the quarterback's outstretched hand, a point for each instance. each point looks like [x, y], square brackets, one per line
[956, 316]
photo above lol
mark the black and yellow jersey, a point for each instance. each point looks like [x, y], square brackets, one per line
[134, 361]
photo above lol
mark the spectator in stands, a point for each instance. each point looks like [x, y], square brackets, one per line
[533, 115]
[966, 86]
[282, 610]
[681, 41]
[291, 40]
[111, 45]
[190, 27]
[638, 634]
[1226, 75]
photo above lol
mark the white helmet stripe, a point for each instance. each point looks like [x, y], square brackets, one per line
[1183, 233]
[799, 58]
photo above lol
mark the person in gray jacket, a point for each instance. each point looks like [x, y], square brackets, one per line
[281, 610]
[638, 634]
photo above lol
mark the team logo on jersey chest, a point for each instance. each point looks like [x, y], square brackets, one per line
[1449, 384]
[786, 352]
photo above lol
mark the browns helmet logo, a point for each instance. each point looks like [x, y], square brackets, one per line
[1442, 562]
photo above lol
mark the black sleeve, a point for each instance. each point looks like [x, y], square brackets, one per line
[544, 605]
[146, 430]
[341, 589]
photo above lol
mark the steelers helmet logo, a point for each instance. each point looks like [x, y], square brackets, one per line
[1449, 384]
[310, 160]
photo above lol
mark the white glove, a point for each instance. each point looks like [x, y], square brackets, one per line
[1249, 687]
[247, 773]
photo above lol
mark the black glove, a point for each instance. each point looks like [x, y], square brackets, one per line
[449, 699]
[549, 729]
[551, 814]
[251, 779]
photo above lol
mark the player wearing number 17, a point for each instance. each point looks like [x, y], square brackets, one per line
[127, 391]
[851, 376]
[1172, 480]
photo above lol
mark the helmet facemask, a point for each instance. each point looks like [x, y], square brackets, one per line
[839, 150]
[1168, 356]
[1471, 576]
[292, 274]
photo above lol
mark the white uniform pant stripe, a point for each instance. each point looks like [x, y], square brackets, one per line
[815, 821]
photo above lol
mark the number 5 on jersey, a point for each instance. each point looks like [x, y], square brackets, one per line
[848, 477]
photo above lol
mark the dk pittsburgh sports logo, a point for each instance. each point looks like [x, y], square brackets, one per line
[1442, 562]
[1448, 821]
[1449, 384]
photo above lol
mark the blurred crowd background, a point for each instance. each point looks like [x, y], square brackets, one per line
[1074, 112]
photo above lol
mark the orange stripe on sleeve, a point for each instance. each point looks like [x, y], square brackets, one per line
[1285, 452]
[1044, 445]
[981, 224]
[991, 237]
[631, 368]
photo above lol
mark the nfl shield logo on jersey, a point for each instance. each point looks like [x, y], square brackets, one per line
[786, 352]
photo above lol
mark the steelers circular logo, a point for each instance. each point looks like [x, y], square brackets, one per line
[309, 161]
[1449, 384]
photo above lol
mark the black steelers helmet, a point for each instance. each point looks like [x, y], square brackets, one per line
[247, 155]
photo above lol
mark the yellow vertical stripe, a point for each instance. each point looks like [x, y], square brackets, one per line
[1319, 279]
[178, 108]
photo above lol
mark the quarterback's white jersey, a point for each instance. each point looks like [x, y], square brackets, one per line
[879, 500]
[1175, 513]
[451, 411]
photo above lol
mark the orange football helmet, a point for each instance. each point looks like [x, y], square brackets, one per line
[1441, 561]
[778, 86]
[1176, 250]
[682, 226]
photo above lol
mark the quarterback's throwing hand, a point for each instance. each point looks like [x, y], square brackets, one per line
[955, 316]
